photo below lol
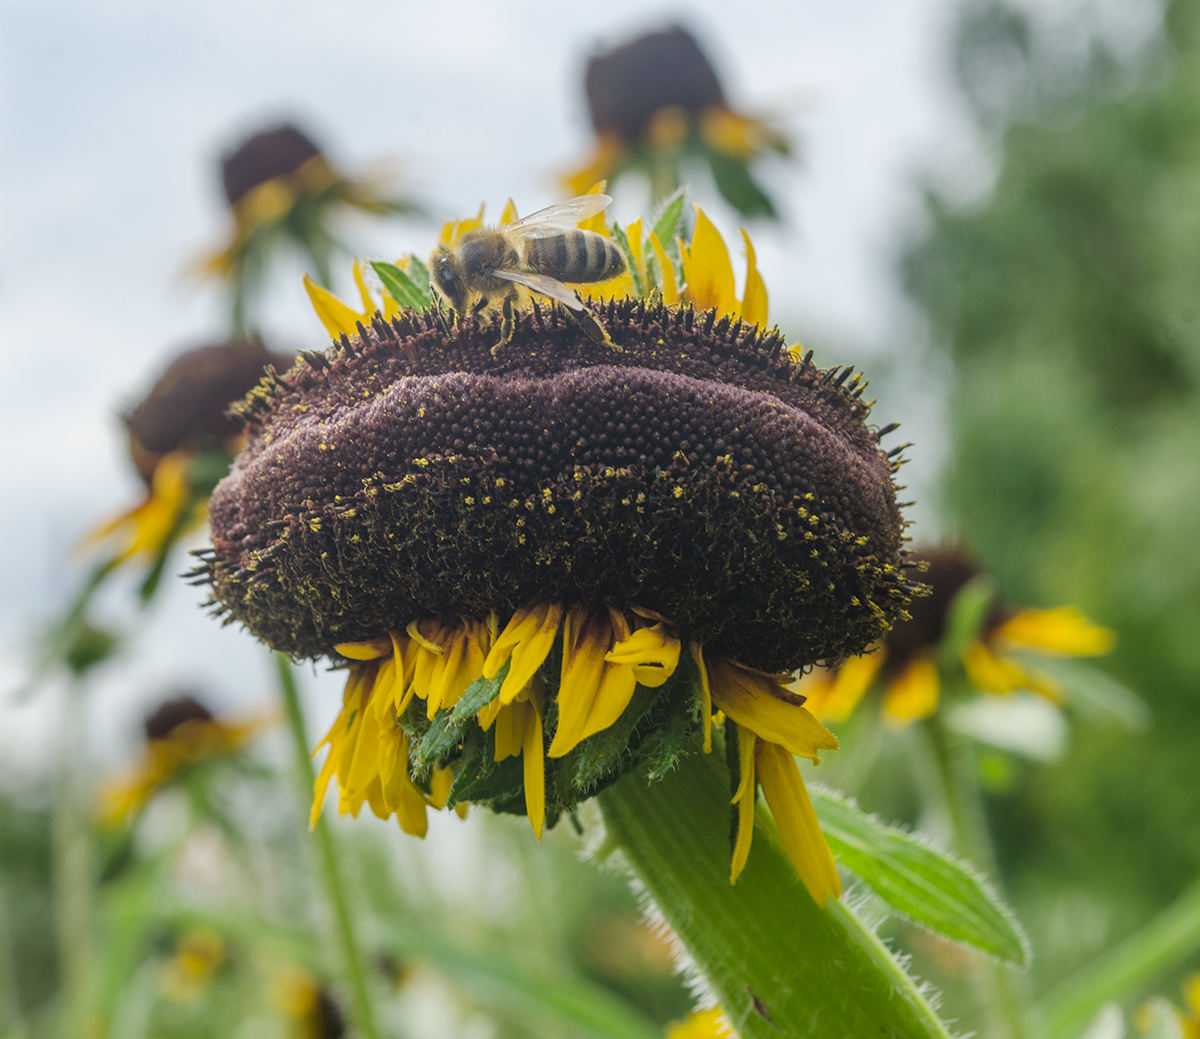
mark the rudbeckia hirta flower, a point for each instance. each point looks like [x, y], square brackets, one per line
[181, 441]
[996, 658]
[280, 186]
[656, 104]
[181, 732]
[546, 567]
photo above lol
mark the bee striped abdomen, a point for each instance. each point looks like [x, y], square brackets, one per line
[576, 256]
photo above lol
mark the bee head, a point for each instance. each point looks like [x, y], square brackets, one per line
[447, 280]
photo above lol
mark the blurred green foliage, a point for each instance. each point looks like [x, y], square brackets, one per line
[1069, 303]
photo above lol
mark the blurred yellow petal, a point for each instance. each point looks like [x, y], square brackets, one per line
[990, 673]
[702, 1024]
[754, 298]
[670, 291]
[360, 279]
[834, 693]
[762, 705]
[707, 269]
[337, 318]
[509, 215]
[913, 694]
[786, 796]
[609, 149]
[1064, 630]
[746, 798]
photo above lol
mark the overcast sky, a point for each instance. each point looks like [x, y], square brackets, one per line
[111, 117]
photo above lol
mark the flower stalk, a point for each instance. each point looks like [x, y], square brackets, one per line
[776, 962]
[331, 869]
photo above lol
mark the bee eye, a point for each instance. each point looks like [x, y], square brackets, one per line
[448, 282]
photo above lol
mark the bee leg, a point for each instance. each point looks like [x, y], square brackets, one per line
[507, 325]
[594, 328]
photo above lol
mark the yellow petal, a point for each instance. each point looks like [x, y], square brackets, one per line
[832, 694]
[371, 650]
[760, 703]
[652, 652]
[509, 215]
[609, 149]
[754, 298]
[701, 1024]
[707, 269]
[786, 796]
[360, 279]
[705, 695]
[530, 641]
[913, 694]
[440, 782]
[510, 730]
[746, 799]
[533, 761]
[670, 291]
[587, 636]
[1063, 630]
[334, 314]
[595, 222]
[990, 673]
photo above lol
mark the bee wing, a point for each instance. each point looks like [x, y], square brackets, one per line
[565, 216]
[543, 284]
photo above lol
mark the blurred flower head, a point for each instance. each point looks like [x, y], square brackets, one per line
[308, 1005]
[545, 567]
[199, 954]
[992, 642]
[281, 188]
[181, 732]
[656, 103]
[181, 441]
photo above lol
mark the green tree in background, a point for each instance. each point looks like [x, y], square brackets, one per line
[1069, 303]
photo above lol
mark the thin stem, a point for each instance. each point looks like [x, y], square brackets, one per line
[954, 758]
[331, 871]
[11, 1022]
[74, 877]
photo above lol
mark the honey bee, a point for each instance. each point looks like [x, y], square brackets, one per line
[489, 270]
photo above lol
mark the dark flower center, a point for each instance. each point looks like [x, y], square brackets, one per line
[704, 473]
[278, 152]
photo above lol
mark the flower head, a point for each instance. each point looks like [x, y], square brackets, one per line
[181, 441]
[281, 186]
[993, 654]
[548, 566]
[180, 733]
[656, 102]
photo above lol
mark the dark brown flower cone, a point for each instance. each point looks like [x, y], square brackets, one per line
[278, 152]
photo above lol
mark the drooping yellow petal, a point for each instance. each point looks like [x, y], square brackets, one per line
[705, 695]
[913, 694]
[525, 642]
[370, 650]
[334, 314]
[1064, 630]
[708, 270]
[587, 637]
[652, 652]
[759, 703]
[534, 765]
[754, 298]
[745, 798]
[670, 291]
[510, 729]
[786, 796]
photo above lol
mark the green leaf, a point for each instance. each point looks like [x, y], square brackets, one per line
[964, 619]
[924, 884]
[601, 753]
[1095, 694]
[402, 288]
[669, 224]
[479, 694]
[778, 964]
[738, 187]
[621, 239]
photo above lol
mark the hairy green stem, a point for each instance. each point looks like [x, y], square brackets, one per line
[331, 871]
[954, 758]
[778, 964]
[1121, 972]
